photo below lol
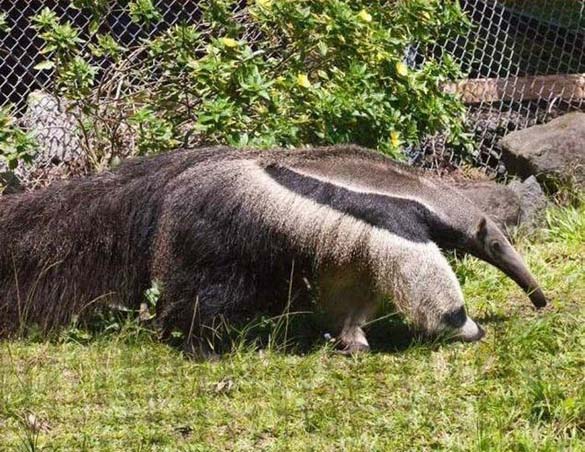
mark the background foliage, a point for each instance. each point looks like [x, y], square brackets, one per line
[276, 73]
[15, 144]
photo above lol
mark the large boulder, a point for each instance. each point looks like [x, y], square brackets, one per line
[555, 150]
[49, 122]
[508, 205]
[532, 198]
[499, 202]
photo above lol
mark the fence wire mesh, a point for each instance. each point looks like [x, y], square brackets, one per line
[20, 47]
[525, 56]
[29, 90]
[524, 60]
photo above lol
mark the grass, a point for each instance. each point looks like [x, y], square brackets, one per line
[521, 389]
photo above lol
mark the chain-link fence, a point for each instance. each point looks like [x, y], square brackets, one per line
[524, 60]
[20, 47]
[525, 63]
[29, 89]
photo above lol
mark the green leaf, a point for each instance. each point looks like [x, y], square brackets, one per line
[144, 12]
[44, 65]
[4, 27]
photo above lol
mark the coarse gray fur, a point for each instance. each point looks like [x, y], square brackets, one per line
[228, 233]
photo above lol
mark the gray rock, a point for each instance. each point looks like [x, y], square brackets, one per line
[53, 127]
[555, 150]
[532, 199]
[9, 183]
[501, 203]
[58, 152]
[508, 205]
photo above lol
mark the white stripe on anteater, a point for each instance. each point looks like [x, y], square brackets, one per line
[415, 275]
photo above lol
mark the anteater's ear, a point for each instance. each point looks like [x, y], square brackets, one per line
[481, 230]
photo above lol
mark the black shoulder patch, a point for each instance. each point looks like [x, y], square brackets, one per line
[406, 218]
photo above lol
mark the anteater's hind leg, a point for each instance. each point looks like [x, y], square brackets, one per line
[201, 288]
[200, 305]
[349, 303]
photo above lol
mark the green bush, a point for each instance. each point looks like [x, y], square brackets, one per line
[277, 73]
[15, 144]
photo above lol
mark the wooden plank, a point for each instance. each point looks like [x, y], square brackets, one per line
[474, 91]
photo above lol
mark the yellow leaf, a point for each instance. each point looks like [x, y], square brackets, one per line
[229, 42]
[303, 80]
[44, 66]
[365, 16]
[395, 139]
[264, 3]
[401, 69]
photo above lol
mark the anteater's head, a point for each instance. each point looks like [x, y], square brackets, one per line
[488, 243]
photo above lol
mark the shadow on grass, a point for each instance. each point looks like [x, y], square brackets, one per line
[309, 332]
[294, 334]
[392, 336]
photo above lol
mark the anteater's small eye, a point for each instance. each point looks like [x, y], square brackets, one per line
[496, 246]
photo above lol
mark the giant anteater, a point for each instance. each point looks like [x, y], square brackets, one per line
[221, 230]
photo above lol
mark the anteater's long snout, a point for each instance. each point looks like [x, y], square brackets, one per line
[512, 264]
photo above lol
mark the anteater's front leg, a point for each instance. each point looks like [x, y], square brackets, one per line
[352, 337]
[347, 298]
